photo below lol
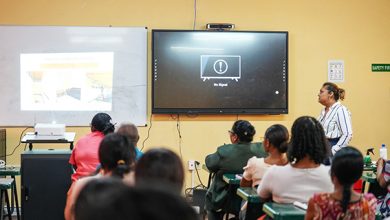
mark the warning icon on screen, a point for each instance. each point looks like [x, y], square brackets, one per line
[220, 67]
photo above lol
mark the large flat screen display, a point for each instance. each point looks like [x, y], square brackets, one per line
[228, 72]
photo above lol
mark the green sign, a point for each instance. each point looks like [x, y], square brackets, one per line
[380, 67]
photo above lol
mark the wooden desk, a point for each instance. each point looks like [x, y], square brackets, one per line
[30, 138]
[283, 211]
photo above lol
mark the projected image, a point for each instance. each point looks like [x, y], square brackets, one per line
[66, 81]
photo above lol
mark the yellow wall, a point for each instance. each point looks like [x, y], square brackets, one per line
[355, 31]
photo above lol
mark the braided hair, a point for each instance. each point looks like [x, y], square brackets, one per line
[347, 167]
[307, 139]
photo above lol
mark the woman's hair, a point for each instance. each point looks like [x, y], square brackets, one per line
[116, 154]
[101, 122]
[244, 131]
[107, 198]
[130, 131]
[160, 165]
[338, 92]
[277, 135]
[307, 139]
[347, 167]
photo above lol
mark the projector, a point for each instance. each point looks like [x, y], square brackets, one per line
[219, 26]
[42, 129]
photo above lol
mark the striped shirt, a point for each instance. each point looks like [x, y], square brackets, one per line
[337, 124]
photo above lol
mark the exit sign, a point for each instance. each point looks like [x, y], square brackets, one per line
[380, 67]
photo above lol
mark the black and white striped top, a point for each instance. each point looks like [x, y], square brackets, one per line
[337, 124]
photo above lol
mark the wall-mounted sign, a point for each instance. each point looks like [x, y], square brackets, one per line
[336, 71]
[380, 67]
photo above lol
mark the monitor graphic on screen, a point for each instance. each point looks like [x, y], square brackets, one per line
[220, 67]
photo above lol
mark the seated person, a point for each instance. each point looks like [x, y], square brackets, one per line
[162, 166]
[305, 174]
[106, 198]
[229, 158]
[130, 130]
[383, 177]
[275, 144]
[344, 202]
[117, 157]
[84, 157]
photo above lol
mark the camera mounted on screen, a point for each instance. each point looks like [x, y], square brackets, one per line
[219, 27]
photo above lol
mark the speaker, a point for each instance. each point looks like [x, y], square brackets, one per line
[45, 180]
[198, 199]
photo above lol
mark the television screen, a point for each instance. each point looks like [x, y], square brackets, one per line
[230, 72]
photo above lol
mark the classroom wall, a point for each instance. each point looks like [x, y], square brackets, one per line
[355, 31]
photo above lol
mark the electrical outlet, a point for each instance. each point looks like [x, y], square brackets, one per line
[191, 165]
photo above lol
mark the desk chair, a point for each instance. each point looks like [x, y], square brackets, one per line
[254, 203]
[13, 172]
[233, 203]
[5, 184]
[278, 211]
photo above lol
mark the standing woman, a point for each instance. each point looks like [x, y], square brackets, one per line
[335, 117]
[84, 157]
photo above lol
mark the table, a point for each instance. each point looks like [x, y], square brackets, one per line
[30, 138]
[233, 201]
[254, 204]
[12, 171]
[279, 211]
[231, 179]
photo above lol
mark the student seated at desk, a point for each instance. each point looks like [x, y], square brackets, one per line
[304, 175]
[275, 144]
[383, 177]
[117, 157]
[344, 202]
[84, 157]
[130, 131]
[109, 199]
[160, 167]
[229, 158]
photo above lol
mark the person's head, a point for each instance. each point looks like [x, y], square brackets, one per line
[346, 169]
[161, 165]
[277, 137]
[307, 140]
[102, 122]
[116, 154]
[329, 93]
[106, 198]
[129, 130]
[242, 132]
[98, 199]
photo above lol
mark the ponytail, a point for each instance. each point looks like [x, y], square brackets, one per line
[346, 197]
[120, 170]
